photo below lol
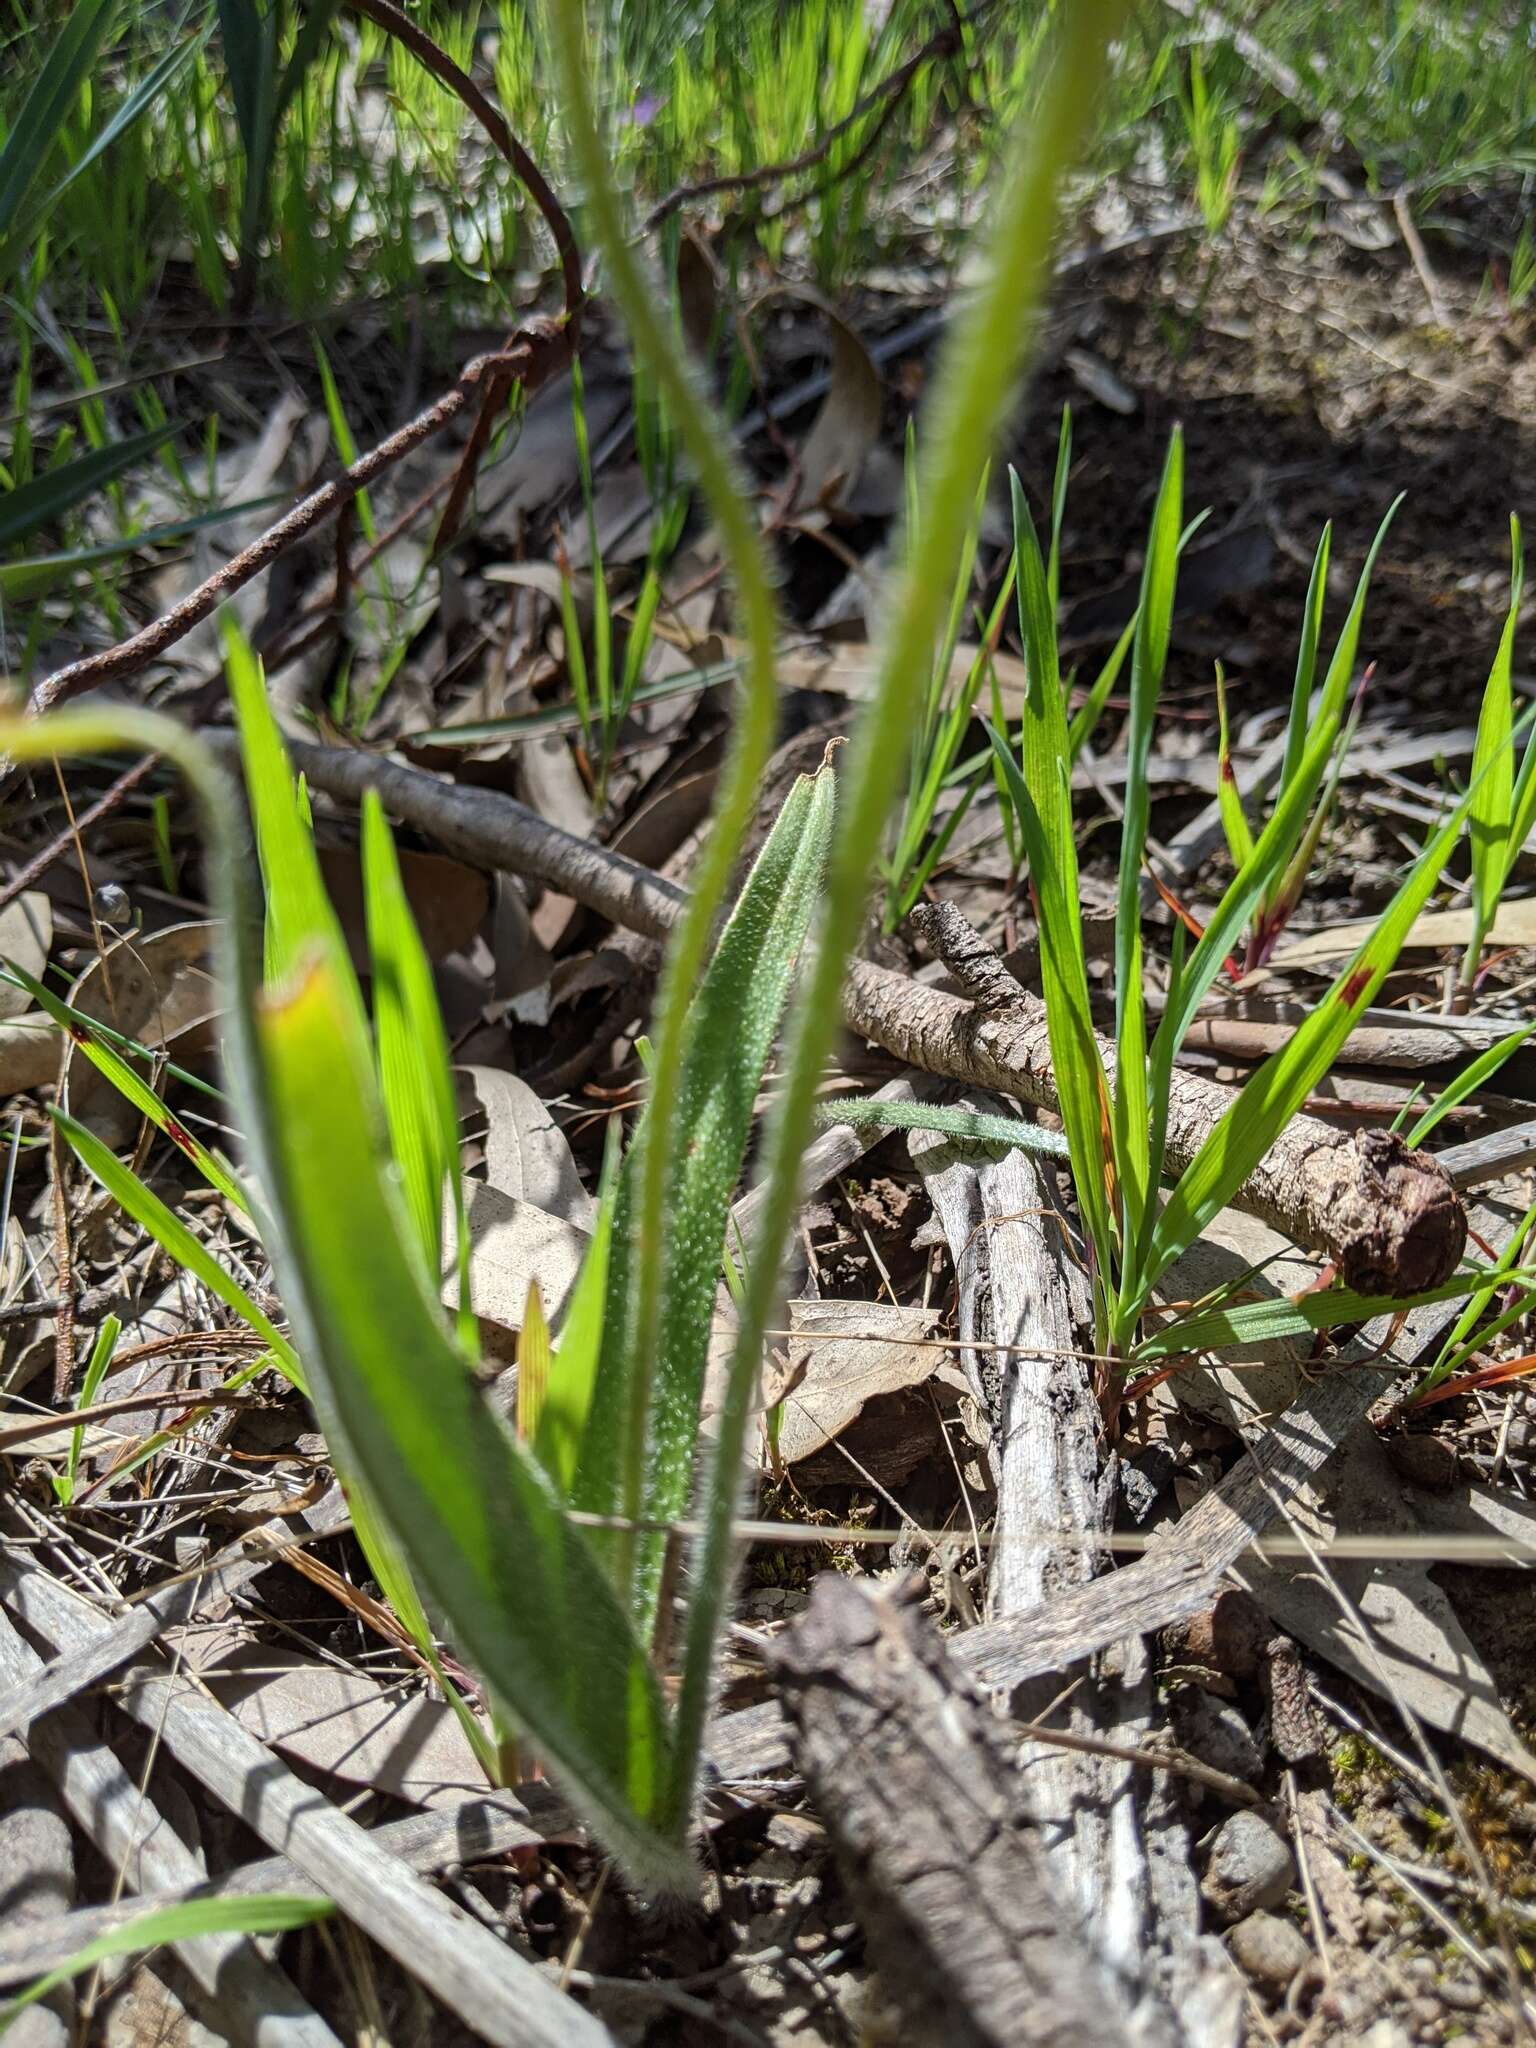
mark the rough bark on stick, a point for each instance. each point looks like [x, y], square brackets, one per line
[1114, 1837]
[912, 1778]
[1387, 1217]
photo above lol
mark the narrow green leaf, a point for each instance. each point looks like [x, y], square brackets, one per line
[1274, 1093]
[415, 1069]
[517, 1583]
[259, 1913]
[131, 1085]
[1473, 1076]
[1299, 723]
[47, 106]
[144, 1206]
[47, 498]
[1493, 841]
[1279, 1316]
[1342, 668]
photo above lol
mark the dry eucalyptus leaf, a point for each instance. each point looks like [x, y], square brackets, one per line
[1250, 1384]
[847, 1354]
[848, 425]
[527, 1155]
[26, 933]
[1515, 925]
[392, 1738]
[29, 1052]
[448, 899]
[157, 989]
[511, 1245]
[1395, 1631]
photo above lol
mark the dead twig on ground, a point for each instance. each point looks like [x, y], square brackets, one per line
[914, 1783]
[886, 94]
[1384, 1216]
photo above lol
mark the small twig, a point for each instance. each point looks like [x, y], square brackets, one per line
[432, 57]
[942, 43]
[15, 1433]
[64, 1311]
[104, 805]
[534, 354]
[1414, 242]
[1176, 1761]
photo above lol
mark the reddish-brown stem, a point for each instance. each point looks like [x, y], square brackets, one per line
[432, 57]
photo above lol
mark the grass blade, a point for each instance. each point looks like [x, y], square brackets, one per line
[49, 497]
[46, 107]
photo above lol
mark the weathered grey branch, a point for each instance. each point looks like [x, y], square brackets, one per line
[493, 1989]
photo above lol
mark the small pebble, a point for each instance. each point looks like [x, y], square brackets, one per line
[1424, 1461]
[1213, 1730]
[1270, 1950]
[1379, 1918]
[1250, 1866]
[1462, 1994]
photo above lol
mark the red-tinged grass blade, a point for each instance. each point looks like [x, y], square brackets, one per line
[261, 1913]
[519, 1587]
[1478, 1382]
[1494, 843]
[132, 1086]
[1277, 1090]
[1471, 1332]
[1234, 820]
[1280, 1316]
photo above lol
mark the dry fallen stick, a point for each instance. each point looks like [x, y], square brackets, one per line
[495, 1990]
[1178, 1575]
[255, 2001]
[424, 1842]
[1386, 1217]
[913, 1779]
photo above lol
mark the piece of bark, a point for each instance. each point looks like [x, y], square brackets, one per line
[493, 1989]
[253, 1999]
[37, 1884]
[912, 1779]
[1385, 1217]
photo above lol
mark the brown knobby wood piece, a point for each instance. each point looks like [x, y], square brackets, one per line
[911, 1776]
[1385, 1215]
[423, 1842]
[489, 1985]
[1387, 1218]
[255, 2002]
